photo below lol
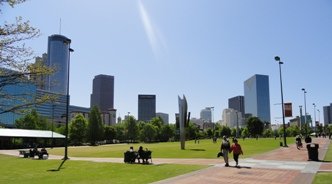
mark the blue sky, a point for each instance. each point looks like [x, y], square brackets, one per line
[204, 49]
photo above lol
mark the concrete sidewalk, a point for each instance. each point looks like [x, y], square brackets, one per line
[285, 165]
[281, 166]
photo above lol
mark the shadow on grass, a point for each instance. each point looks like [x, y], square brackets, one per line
[58, 169]
[197, 149]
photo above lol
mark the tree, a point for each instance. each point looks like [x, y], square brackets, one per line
[95, 126]
[166, 132]
[268, 132]
[245, 132]
[15, 65]
[110, 133]
[32, 121]
[77, 130]
[255, 126]
[131, 128]
[148, 133]
[225, 131]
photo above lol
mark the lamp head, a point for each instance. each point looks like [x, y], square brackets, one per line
[277, 58]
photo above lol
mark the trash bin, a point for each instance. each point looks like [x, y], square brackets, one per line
[280, 144]
[312, 151]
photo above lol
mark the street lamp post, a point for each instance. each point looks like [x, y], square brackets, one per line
[305, 111]
[67, 102]
[300, 118]
[314, 116]
[53, 105]
[318, 115]
[237, 124]
[277, 58]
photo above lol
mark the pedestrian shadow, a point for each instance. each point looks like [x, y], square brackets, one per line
[240, 167]
[197, 149]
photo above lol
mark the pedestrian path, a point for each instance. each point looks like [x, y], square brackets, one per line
[285, 165]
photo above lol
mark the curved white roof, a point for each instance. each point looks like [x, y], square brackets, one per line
[7, 132]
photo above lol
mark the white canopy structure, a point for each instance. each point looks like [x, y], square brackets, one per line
[20, 133]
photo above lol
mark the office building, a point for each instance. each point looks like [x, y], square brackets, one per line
[58, 55]
[146, 107]
[206, 114]
[232, 118]
[327, 110]
[257, 97]
[237, 103]
[103, 93]
[163, 116]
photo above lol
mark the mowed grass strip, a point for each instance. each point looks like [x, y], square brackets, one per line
[205, 149]
[25, 170]
[325, 177]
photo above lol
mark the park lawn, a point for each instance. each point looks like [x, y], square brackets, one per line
[205, 149]
[24, 170]
[325, 177]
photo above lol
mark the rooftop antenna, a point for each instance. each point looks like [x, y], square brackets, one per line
[60, 27]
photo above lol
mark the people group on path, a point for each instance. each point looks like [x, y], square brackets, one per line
[226, 148]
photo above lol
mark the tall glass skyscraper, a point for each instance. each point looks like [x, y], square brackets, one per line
[146, 107]
[103, 92]
[237, 103]
[58, 57]
[257, 97]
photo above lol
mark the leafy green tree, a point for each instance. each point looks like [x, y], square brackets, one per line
[166, 132]
[192, 131]
[268, 132]
[110, 133]
[209, 133]
[95, 126]
[78, 130]
[120, 131]
[131, 128]
[148, 132]
[15, 62]
[255, 126]
[225, 131]
[245, 132]
[32, 121]
[233, 132]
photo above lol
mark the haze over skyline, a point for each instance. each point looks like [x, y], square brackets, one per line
[202, 49]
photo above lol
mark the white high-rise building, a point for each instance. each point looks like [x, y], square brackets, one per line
[231, 118]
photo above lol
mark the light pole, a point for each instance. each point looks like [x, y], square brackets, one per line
[305, 111]
[277, 58]
[314, 115]
[318, 116]
[237, 124]
[53, 105]
[300, 118]
[67, 103]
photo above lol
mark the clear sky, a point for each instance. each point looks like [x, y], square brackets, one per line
[204, 49]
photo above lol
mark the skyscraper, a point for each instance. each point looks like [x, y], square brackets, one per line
[327, 114]
[237, 103]
[58, 57]
[103, 92]
[146, 107]
[257, 97]
[206, 114]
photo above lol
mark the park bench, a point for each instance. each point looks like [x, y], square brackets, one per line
[31, 154]
[131, 156]
[24, 153]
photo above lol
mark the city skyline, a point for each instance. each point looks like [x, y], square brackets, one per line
[204, 50]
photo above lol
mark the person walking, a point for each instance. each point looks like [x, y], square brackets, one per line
[224, 148]
[237, 150]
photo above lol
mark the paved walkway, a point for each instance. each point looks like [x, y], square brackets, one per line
[280, 166]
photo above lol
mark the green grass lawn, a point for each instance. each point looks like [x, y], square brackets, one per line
[23, 170]
[205, 149]
[325, 178]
